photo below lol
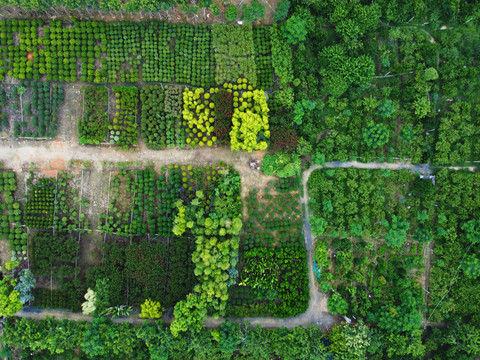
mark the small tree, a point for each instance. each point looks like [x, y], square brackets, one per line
[88, 306]
[319, 159]
[151, 309]
[281, 11]
[318, 225]
[9, 298]
[294, 30]
[189, 315]
[472, 229]
[337, 305]
[397, 234]
[25, 286]
[387, 109]
[253, 12]
[231, 13]
[431, 74]
[375, 135]
[471, 266]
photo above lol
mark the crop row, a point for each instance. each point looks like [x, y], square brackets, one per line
[142, 202]
[11, 216]
[235, 109]
[127, 52]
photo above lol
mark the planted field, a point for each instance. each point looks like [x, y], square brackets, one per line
[93, 126]
[263, 56]
[161, 117]
[11, 215]
[39, 103]
[107, 52]
[234, 53]
[39, 209]
[4, 123]
[373, 226]
[272, 267]
[123, 129]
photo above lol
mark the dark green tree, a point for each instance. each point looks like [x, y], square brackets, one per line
[281, 11]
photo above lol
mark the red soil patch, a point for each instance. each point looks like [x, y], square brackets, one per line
[57, 164]
[49, 173]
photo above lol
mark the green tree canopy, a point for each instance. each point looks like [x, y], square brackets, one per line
[375, 135]
[294, 30]
[337, 305]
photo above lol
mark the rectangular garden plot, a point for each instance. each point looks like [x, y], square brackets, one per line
[372, 227]
[123, 129]
[161, 271]
[234, 53]
[39, 102]
[263, 56]
[273, 264]
[11, 216]
[4, 122]
[142, 202]
[54, 263]
[93, 126]
[161, 116]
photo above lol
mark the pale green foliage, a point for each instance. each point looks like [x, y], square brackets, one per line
[9, 299]
[10, 265]
[151, 309]
[215, 9]
[431, 74]
[303, 147]
[88, 306]
[421, 107]
[26, 285]
[349, 342]
[212, 258]
[248, 125]
[321, 255]
[284, 97]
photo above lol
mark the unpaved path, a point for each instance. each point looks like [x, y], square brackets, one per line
[16, 155]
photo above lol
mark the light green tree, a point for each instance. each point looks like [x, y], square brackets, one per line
[189, 315]
[88, 307]
[151, 309]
